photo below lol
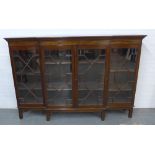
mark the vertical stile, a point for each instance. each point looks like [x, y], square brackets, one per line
[106, 77]
[42, 71]
[74, 76]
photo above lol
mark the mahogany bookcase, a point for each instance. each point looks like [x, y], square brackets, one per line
[75, 74]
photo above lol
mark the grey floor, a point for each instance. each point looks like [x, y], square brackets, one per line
[140, 117]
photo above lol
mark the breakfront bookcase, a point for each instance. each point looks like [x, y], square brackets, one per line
[75, 74]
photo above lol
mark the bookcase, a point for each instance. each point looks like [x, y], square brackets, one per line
[75, 74]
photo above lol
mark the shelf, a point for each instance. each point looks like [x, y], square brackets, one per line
[93, 86]
[91, 62]
[30, 99]
[119, 100]
[57, 63]
[38, 72]
[50, 74]
[19, 56]
[56, 86]
[122, 70]
[33, 86]
[90, 86]
[28, 73]
[59, 101]
[69, 62]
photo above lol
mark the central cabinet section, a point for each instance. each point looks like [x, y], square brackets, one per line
[73, 75]
[58, 66]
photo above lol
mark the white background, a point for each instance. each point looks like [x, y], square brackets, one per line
[99, 15]
[146, 84]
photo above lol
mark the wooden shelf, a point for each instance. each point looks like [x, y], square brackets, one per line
[19, 56]
[89, 86]
[28, 73]
[57, 63]
[121, 70]
[69, 62]
[37, 73]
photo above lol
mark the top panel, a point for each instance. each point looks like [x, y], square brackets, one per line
[80, 37]
[80, 40]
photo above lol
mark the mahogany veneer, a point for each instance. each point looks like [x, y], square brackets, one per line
[75, 74]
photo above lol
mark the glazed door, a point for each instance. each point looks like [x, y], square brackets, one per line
[58, 75]
[122, 75]
[91, 75]
[26, 68]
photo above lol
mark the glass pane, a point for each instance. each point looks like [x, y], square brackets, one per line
[91, 64]
[27, 66]
[58, 70]
[122, 67]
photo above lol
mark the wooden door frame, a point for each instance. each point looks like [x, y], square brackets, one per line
[125, 105]
[106, 73]
[11, 50]
[44, 81]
